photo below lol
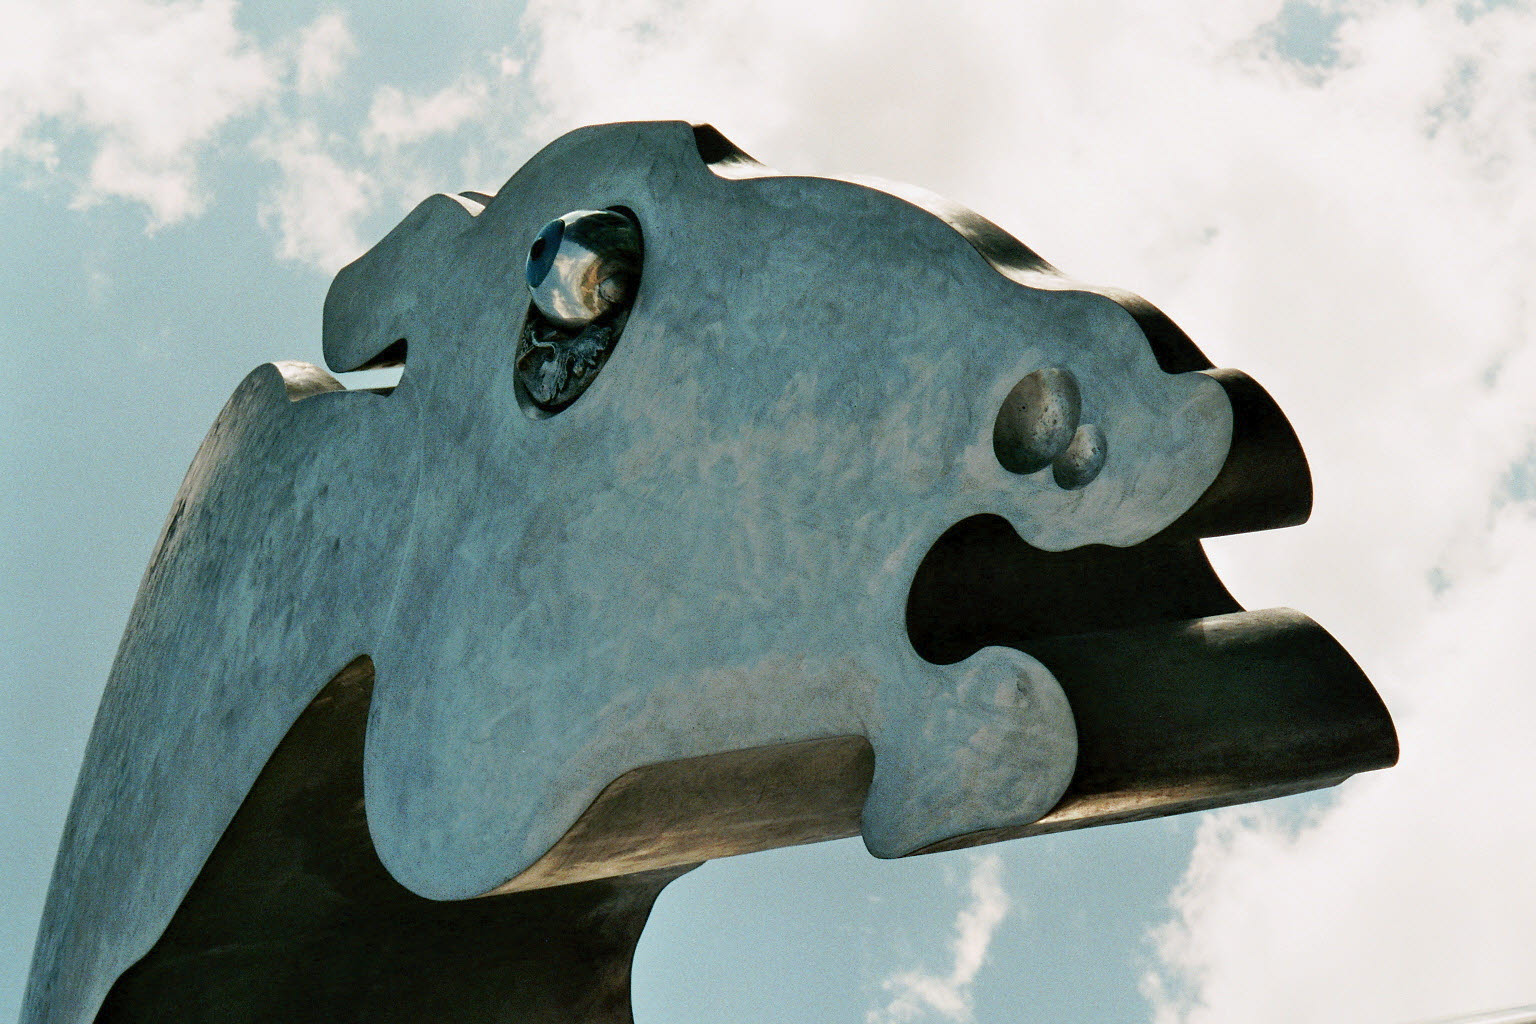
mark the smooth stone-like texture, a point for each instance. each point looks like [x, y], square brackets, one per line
[710, 550]
[293, 920]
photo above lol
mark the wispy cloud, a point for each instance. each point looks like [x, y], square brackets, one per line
[396, 118]
[329, 181]
[918, 995]
[149, 84]
[318, 202]
[152, 88]
[323, 50]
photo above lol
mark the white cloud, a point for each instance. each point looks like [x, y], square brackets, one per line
[329, 181]
[151, 84]
[324, 47]
[397, 119]
[918, 994]
[409, 146]
[1410, 898]
[129, 98]
[319, 200]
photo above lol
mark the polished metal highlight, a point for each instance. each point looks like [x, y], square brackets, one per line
[583, 266]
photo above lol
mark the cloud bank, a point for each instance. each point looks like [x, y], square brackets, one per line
[1410, 897]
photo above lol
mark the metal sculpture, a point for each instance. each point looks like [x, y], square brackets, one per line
[715, 510]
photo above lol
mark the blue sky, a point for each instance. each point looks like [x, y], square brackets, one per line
[1339, 198]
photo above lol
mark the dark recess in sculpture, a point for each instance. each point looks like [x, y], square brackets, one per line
[1182, 700]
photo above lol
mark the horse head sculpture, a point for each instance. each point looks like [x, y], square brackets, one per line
[714, 510]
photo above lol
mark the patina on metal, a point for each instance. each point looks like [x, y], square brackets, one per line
[422, 672]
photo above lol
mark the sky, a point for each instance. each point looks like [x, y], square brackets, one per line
[1338, 197]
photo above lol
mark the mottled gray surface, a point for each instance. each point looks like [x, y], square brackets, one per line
[709, 550]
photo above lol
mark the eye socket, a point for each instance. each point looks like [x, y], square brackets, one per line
[582, 272]
[583, 265]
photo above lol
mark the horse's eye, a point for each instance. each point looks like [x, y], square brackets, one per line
[583, 265]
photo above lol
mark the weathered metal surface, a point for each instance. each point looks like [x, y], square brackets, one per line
[718, 554]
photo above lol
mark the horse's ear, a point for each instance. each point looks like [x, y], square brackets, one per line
[375, 300]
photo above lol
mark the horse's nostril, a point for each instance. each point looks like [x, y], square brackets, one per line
[1078, 466]
[1037, 420]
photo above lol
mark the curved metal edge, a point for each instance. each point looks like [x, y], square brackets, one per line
[1172, 348]
[305, 380]
[368, 298]
[702, 808]
[66, 977]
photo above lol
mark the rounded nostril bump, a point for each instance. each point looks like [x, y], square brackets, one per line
[1037, 421]
[1084, 457]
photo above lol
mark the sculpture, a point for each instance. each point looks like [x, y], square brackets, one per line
[815, 509]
